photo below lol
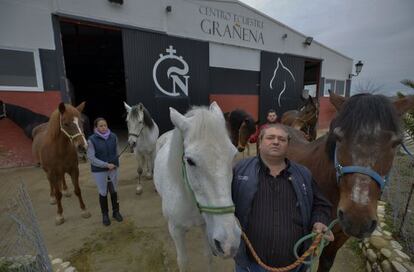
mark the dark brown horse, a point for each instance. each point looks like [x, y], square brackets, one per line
[304, 119]
[351, 163]
[55, 146]
[241, 126]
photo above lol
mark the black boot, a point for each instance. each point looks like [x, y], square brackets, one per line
[103, 201]
[115, 207]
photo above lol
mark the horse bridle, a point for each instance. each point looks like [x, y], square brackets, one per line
[343, 170]
[202, 208]
[136, 135]
[71, 137]
[3, 114]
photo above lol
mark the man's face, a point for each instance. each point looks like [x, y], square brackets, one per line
[271, 117]
[274, 143]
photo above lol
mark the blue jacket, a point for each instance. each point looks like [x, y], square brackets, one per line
[244, 188]
[105, 150]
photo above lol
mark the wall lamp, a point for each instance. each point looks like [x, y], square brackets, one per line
[358, 68]
[308, 41]
[120, 2]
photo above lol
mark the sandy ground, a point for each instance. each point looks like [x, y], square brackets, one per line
[140, 243]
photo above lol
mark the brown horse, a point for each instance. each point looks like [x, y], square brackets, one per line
[55, 146]
[351, 163]
[304, 119]
[241, 126]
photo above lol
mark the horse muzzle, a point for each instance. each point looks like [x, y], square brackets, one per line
[132, 145]
[360, 227]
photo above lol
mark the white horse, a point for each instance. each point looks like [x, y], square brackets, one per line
[192, 174]
[142, 137]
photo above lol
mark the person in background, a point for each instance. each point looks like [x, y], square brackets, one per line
[271, 118]
[277, 202]
[103, 156]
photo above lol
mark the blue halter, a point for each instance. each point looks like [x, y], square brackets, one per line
[342, 170]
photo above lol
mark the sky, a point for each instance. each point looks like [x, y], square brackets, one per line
[378, 32]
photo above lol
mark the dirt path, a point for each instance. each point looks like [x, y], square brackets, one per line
[141, 243]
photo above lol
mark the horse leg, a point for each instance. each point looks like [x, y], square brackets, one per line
[75, 181]
[328, 255]
[178, 235]
[65, 191]
[58, 195]
[141, 161]
[207, 250]
[150, 165]
[52, 200]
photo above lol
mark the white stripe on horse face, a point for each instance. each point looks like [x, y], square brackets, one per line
[76, 122]
[360, 191]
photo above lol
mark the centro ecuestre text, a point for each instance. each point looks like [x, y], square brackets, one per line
[227, 24]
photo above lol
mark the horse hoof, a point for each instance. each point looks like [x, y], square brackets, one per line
[139, 190]
[59, 220]
[52, 201]
[86, 214]
[66, 193]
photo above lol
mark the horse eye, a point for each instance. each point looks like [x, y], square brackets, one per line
[190, 162]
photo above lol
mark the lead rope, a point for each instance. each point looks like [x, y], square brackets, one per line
[314, 251]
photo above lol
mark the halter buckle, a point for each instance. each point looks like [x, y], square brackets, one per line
[339, 171]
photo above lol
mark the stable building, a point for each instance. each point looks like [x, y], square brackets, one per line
[164, 54]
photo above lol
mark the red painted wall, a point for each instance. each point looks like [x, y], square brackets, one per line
[230, 102]
[15, 147]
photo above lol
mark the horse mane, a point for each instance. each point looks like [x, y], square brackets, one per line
[237, 117]
[362, 112]
[147, 116]
[53, 127]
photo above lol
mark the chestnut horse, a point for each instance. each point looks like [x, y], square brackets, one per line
[352, 162]
[55, 146]
[240, 126]
[304, 119]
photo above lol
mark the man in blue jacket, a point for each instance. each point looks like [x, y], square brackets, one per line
[277, 202]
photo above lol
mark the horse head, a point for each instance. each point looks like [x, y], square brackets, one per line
[247, 128]
[71, 125]
[207, 163]
[362, 142]
[240, 126]
[138, 118]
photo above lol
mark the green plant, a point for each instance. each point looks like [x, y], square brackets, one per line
[408, 119]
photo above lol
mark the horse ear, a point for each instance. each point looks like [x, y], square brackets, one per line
[62, 107]
[81, 106]
[140, 106]
[404, 104]
[178, 120]
[336, 100]
[214, 107]
[127, 107]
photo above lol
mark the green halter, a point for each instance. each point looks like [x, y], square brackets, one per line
[205, 209]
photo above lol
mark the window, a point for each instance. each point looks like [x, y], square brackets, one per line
[312, 89]
[337, 86]
[20, 70]
[329, 85]
[340, 87]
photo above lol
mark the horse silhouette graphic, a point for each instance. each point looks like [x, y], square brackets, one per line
[278, 65]
[173, 73]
